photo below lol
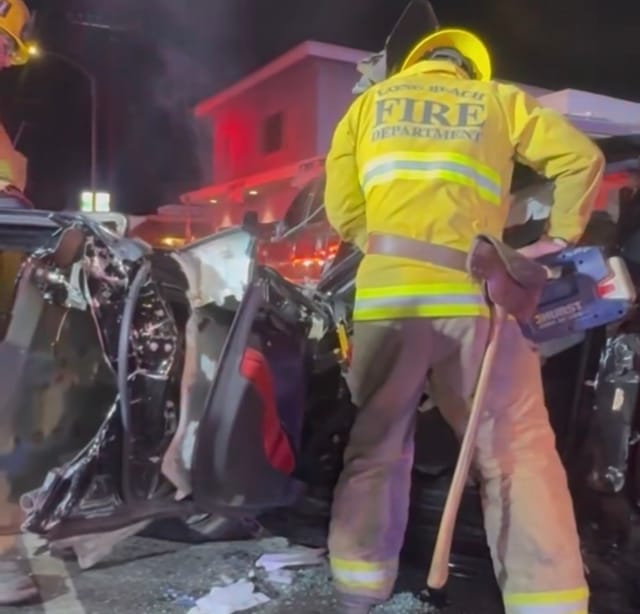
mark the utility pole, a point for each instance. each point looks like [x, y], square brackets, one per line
[111, 26]
[93, 92]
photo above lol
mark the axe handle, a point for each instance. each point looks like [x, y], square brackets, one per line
[439, 570]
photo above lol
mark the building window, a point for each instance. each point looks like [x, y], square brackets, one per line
[272, 133]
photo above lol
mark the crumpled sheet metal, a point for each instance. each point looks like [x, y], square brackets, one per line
[373, 69]
[204, 340]
[93, 548]
[531, 203]
[619, 355]
[217, 269]
[12, 362]
[154, 335]
[48, 368]
[176, 463]
[73, 491]
[616, 386]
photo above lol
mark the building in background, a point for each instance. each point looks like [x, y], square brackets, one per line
[270, 133]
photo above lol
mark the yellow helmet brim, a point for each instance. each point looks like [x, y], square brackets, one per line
[468, 44]
[15, 22]
[21, 54]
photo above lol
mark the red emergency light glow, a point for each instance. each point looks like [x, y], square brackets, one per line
[318, 260]
[234, 138]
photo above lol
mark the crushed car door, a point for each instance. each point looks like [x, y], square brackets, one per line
[50, 373]
[245, 453]
[248, 437]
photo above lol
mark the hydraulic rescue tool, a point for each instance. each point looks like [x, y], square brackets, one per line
[573, 290]
[585, 289]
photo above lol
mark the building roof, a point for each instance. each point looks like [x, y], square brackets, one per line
[316, 49]
[589, 104]
[326, 51]
[597, 115]
[533, 90]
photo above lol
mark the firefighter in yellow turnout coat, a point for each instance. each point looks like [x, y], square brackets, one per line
[420, 165]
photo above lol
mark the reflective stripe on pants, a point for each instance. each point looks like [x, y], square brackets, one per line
[363, 578]
[527, 509]
[419, 301]
[553, 602]
[421, 166]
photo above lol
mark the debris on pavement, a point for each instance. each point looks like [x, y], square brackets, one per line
[281, 576]
[270, 586]
[235, 597]
[238, 590]
[405, 603]
[269, 544]
[91, 549]
[295, 556]
[180, 599]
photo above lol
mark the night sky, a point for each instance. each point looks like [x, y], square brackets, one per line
[155, 58]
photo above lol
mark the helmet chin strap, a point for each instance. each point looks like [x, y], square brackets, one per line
[453, 55]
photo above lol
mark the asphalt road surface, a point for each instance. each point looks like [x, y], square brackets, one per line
[148, 575]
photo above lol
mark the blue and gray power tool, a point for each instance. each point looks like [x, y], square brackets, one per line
[586, 289]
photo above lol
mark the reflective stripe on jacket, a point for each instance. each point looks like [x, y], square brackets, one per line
[420, 166]
[427, 300]
[429, 154]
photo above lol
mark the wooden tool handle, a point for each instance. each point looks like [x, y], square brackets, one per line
[439, 570]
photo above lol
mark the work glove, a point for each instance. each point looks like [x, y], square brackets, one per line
[542, 247]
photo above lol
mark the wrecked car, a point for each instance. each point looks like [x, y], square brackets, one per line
[150, 384]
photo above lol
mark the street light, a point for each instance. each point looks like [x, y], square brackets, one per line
[35, 52]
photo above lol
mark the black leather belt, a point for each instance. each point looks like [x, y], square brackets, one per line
[414, 249]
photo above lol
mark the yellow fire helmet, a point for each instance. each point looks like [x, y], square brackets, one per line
[15, 21]
[466, 43]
